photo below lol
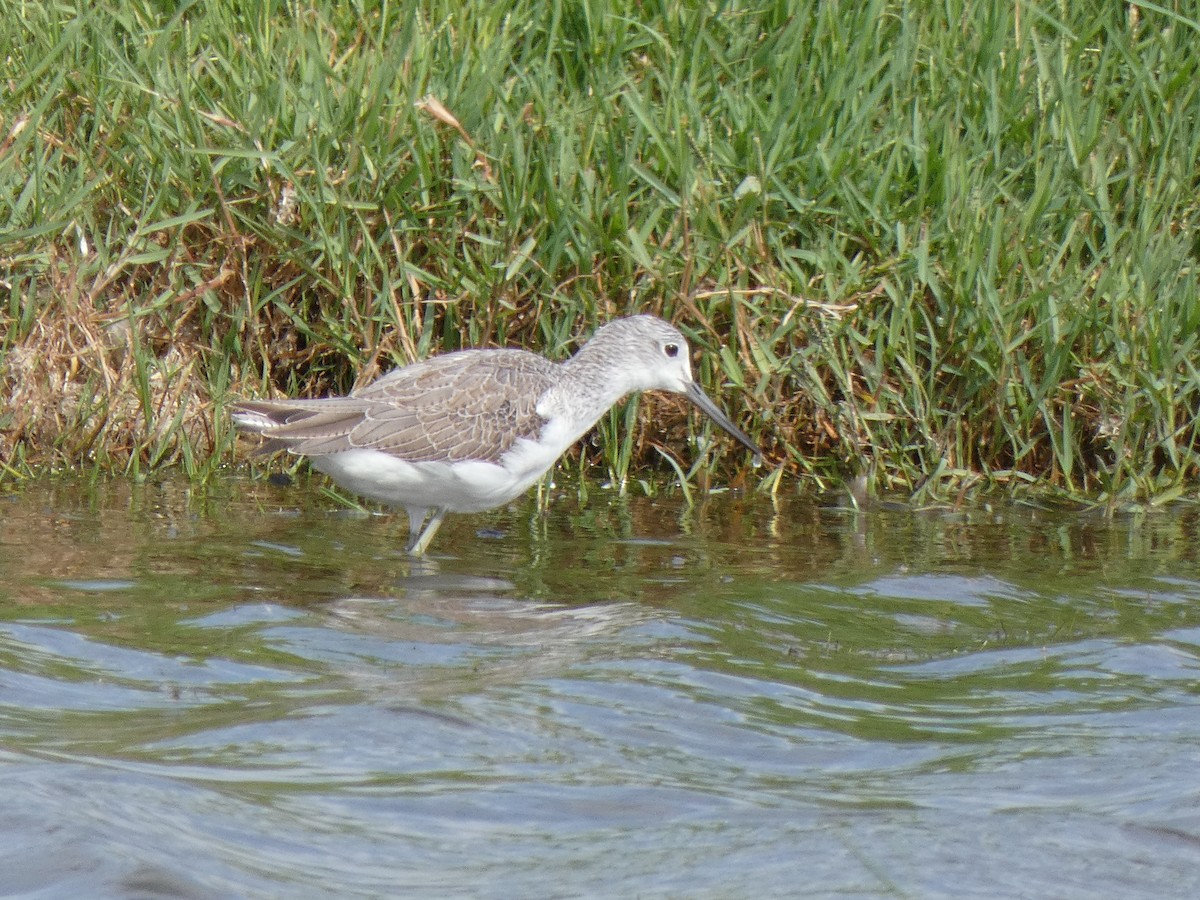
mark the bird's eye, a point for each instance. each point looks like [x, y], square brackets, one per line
[672, 350]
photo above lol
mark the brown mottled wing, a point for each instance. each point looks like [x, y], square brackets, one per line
[459, 406]
[469, 405]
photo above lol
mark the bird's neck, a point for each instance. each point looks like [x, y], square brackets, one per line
[586, 390]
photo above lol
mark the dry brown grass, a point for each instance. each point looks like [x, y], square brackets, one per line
[80, 390]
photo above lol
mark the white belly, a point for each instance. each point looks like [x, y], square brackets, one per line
[453, 486]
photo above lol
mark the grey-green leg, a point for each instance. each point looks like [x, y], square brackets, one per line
[418, 538]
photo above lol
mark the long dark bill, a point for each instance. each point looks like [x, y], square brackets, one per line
[696, 394]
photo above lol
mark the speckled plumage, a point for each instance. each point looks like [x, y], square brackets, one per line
[470, 405]
[471, 430]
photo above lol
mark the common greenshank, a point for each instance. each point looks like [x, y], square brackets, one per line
[471, 430]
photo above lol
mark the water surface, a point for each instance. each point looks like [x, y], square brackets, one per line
[251, 692]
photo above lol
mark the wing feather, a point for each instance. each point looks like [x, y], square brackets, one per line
[472, 405]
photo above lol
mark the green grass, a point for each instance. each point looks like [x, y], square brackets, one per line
[946, 245]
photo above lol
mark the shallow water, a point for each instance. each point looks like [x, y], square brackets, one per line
[251, 693]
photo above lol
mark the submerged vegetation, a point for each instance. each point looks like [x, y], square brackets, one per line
[939, 245]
